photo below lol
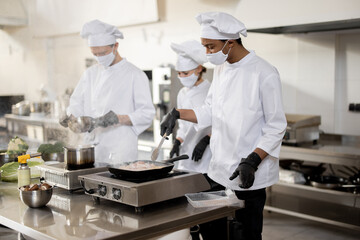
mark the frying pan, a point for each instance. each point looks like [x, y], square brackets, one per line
[165, 167]
[327, 182]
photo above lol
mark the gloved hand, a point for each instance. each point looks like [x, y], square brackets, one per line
[168, 123]
[64, 120]
[175, 149]
[200, 148]
[107, 120]
[246, 170]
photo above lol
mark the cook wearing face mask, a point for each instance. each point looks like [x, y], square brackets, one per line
[190, 58]
[244, 109]
[115, 93]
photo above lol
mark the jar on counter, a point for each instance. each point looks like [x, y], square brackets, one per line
[24, 175]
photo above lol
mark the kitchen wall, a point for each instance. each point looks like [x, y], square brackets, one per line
[319, 70]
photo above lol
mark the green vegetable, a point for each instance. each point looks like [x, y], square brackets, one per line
[9, 170]
[51, 148]
[17, 146]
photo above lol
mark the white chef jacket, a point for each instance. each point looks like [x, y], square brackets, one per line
[188, 98]
[244, 107]
[124, 89]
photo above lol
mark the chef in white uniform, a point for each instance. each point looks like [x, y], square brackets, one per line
[115, 93]
[191, 56]
[244, 108]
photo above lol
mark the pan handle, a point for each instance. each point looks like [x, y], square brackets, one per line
[171, 160]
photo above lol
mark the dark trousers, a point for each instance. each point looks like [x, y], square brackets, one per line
[250, 217]
[214, 230]
[248, 221]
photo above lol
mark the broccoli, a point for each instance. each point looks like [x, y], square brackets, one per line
[51, 148]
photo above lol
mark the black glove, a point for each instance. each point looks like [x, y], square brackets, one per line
[246, 170]
[168, 123]
[176, 148]
[107, 120]
[200, 148]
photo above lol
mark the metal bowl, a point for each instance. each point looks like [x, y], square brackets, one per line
[53, 157]
[36, 198]
[80, 124]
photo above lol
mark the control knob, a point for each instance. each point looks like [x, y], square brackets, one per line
[102, 190]
[116, 193]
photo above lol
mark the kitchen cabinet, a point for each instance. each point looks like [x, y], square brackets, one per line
[323, 205]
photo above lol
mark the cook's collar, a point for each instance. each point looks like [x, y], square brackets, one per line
[242, 61]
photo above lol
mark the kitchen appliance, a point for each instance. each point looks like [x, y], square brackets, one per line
[58, 175]
[153, 169]
[79, 157]
[142, 192]
[21, 108]
[162, 80]
[301, 129]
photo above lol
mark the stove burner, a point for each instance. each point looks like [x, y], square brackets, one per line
[150, 178]
[78, 167]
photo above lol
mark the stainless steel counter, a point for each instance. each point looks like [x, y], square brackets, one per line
[77, 216]
[334, 149]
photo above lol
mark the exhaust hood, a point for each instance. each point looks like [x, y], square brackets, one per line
[12, 13]
[311, 27]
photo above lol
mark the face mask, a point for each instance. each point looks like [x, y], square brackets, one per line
[219, 57]
[107, 59]
[188, 81]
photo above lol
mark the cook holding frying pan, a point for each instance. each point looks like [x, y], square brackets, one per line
[115, 93]
[244, 108]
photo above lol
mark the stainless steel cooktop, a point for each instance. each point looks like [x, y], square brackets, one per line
[139, 193]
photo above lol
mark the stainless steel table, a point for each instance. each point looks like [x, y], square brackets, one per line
[77, 216]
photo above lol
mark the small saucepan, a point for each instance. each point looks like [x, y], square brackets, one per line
[79, 157]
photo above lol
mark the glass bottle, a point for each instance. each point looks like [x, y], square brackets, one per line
[24, 176]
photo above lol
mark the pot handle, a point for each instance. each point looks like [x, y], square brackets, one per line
[171, 160]
[90, 191]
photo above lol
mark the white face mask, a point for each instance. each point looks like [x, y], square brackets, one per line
[219, 57]
[188, 81]
[107, 59]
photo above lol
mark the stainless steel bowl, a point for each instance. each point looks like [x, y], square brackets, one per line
[36, 198]
[80, 124]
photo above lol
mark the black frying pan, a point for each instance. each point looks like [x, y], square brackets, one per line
[166, 166]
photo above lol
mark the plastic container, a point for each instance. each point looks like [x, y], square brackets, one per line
[211, 199]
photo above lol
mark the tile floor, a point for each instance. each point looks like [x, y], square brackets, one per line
[276, 227]
[283, 227]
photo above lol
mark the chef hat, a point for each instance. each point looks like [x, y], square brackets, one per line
[100, 34]
[218, 25]
[191, 54]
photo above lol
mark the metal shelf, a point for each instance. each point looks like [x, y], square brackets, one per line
[344, 155]
[326, 212]
[309, 192]
[322, 205]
